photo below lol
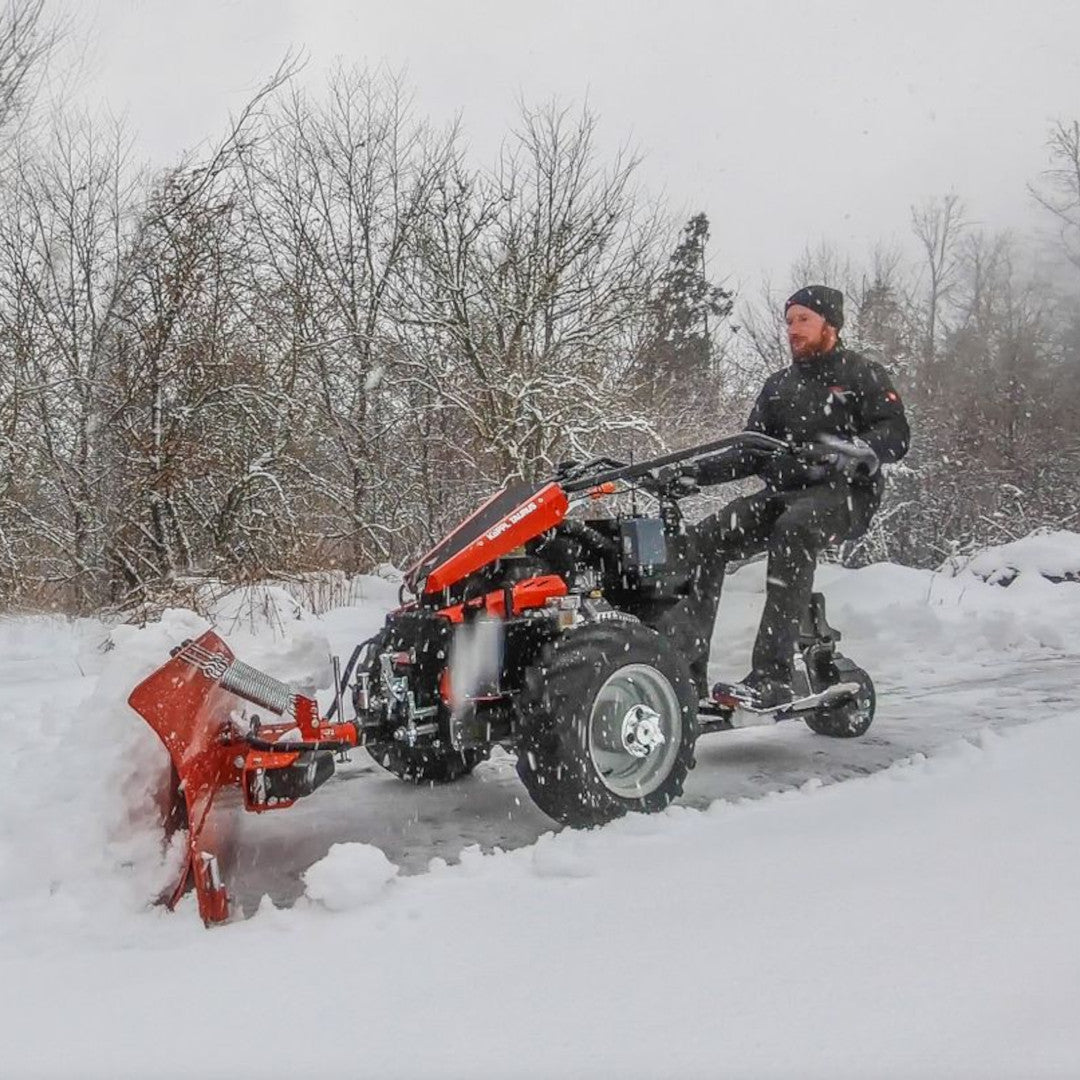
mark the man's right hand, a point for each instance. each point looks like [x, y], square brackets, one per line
[849, 457]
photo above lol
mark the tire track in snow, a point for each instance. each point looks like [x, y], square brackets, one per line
[413, 824]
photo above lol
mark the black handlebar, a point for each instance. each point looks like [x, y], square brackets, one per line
[582, 477]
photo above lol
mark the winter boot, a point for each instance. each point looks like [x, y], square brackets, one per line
[756, 691]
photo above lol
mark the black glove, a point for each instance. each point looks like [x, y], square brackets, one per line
[728, 465]
[850, 457]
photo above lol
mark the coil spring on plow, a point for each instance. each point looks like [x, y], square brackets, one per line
[252, 685]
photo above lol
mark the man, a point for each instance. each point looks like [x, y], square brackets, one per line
[829, 394]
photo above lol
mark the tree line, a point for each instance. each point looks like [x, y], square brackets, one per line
[323, 341]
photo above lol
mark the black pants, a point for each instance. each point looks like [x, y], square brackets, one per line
[793, 527]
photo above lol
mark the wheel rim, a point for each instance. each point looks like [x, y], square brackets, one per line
[860, 712]
[635, 730]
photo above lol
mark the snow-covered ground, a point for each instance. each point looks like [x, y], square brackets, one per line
[907, 904]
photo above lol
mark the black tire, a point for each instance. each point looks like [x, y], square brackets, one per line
[583, 707]
[852, 718]
[425, 764]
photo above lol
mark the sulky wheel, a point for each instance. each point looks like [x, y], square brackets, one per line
[425, 764]
[608, 723]
[852, 717]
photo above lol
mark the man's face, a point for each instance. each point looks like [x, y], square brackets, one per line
[808, 333]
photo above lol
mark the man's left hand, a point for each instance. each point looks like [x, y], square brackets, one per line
[853, 457]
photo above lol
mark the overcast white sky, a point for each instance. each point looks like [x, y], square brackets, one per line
[787, 122]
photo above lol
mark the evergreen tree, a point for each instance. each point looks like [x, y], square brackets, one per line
[676, 363]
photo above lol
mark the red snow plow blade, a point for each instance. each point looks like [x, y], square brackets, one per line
[224, 755]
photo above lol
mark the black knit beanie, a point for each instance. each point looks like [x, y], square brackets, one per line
[820, 298]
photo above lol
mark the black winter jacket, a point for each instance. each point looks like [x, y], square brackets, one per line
[839, 393]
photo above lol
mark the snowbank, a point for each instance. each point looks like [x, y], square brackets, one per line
[82, 787]
[1052, 555]
[907, 625]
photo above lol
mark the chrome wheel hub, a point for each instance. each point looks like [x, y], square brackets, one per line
[641, 731]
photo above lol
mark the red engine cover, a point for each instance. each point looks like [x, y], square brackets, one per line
[505, 522]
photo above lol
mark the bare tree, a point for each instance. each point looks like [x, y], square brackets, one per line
[761, 342]
[194, 422]
[823, 264]
[937, 225]
[62, 245]
[25, 44]
[1058, 189]
[335, 197]
[535, 282]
